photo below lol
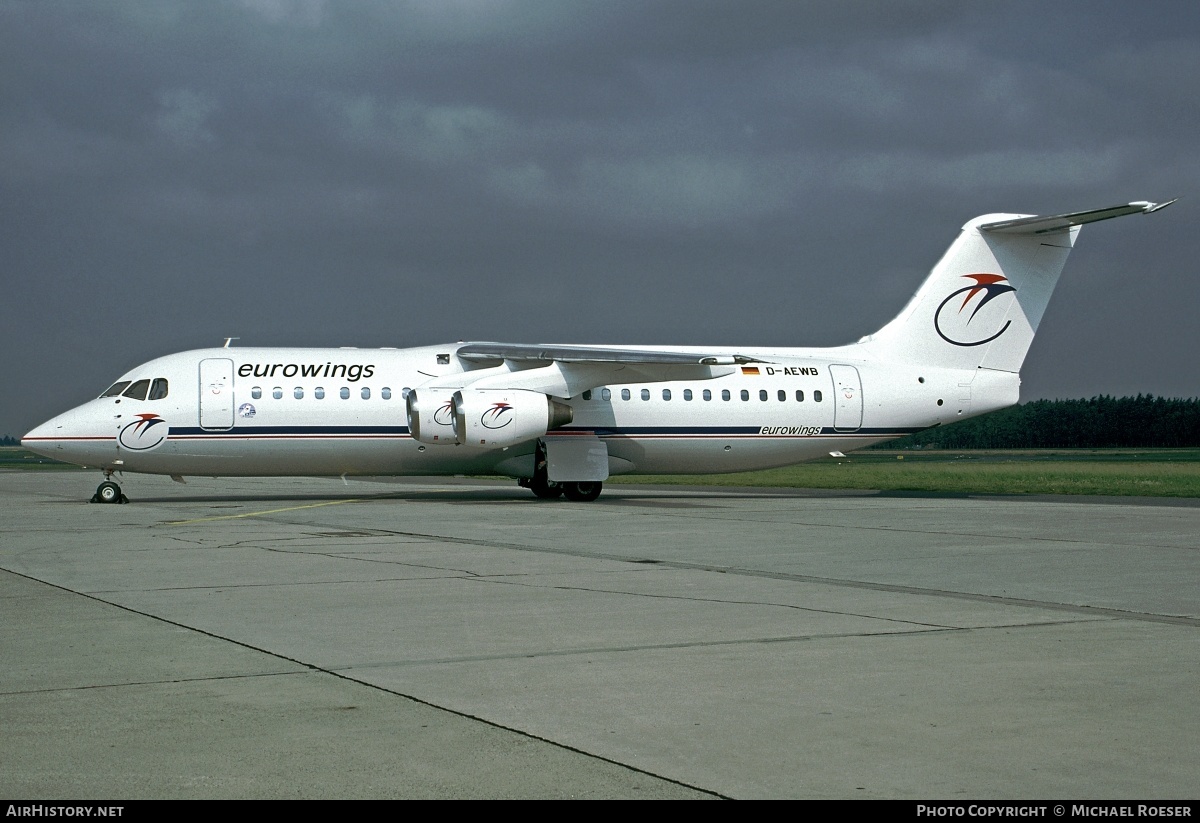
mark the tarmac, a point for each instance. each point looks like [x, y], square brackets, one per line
[312, 638]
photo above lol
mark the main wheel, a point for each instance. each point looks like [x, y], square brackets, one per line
[108, 492]
[545, 489]
[582, 492]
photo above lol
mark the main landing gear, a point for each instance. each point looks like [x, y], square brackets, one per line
[582, 492]
[549, 490]
[546, 489]
[109, 492]
[543, 488]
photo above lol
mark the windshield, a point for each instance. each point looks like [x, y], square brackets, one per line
[116, 388]
[155, 389]
[138, 390]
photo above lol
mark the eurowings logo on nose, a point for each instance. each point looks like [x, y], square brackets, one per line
[497, 417]
[960, 327]
[145, 433]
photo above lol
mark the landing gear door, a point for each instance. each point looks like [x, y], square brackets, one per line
[576, 459]
[216, 393]
[847, 396]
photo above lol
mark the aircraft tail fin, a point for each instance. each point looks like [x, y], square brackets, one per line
[983, 301]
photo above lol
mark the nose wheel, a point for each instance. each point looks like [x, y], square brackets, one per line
[109, 492]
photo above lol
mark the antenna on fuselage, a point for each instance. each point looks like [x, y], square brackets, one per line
[229, 342]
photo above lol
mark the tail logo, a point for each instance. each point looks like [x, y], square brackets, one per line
[960, 327]
[144, 433]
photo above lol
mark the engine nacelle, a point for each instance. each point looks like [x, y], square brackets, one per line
[431, 416]
[495, 418]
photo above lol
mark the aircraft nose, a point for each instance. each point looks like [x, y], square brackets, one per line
[40, 440]
[38, 432]
[76, 436]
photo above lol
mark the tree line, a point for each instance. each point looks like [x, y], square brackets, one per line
[1100, 422]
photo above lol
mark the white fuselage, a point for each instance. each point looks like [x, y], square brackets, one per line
[342, 411]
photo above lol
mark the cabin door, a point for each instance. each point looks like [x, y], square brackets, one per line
[216, 393]
[847, 397]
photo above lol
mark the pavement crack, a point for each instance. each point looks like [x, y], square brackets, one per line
[165, 682]
[350, 556]
[720, 600]
[1036, 538]
[700, 644]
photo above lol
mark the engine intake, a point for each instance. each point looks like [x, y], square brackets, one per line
[430, 415]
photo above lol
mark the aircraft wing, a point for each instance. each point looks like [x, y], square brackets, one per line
[565, 371]
[539, 353]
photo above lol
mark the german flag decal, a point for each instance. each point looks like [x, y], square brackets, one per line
[750, 370]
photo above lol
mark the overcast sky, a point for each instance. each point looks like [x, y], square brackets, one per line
[303, 172]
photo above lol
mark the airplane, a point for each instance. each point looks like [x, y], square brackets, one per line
[561, 419]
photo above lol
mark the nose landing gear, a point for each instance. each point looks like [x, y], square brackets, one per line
[109, 492]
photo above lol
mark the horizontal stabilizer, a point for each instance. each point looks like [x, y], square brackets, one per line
[1041, 225]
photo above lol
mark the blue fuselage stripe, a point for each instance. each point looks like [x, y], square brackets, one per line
[599, 431]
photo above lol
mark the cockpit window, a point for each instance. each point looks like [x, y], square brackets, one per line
[115, 389]
[158, 389]
[138, 390]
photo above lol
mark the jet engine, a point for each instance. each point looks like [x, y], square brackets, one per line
[495, 418]
[431, 416]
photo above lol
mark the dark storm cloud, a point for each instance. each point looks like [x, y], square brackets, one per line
[380, 173]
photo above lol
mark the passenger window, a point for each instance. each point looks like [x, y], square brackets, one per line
[624, 394]
[256, 393]
[319, 393]
[115, 389]
[385, 393]
[745, 394]
[404, 392]
[587, 395]
[298, 393]
[605, 394]
[277, 393]
[707, 394]
[158, 389]
[724, 394]
[645, 394]
[344, 393]
[687, 394]
[138, 390]
[782, 395]
[816, 397]
[365, 393]
[762, 395]
[799, 396]
[666, 394]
